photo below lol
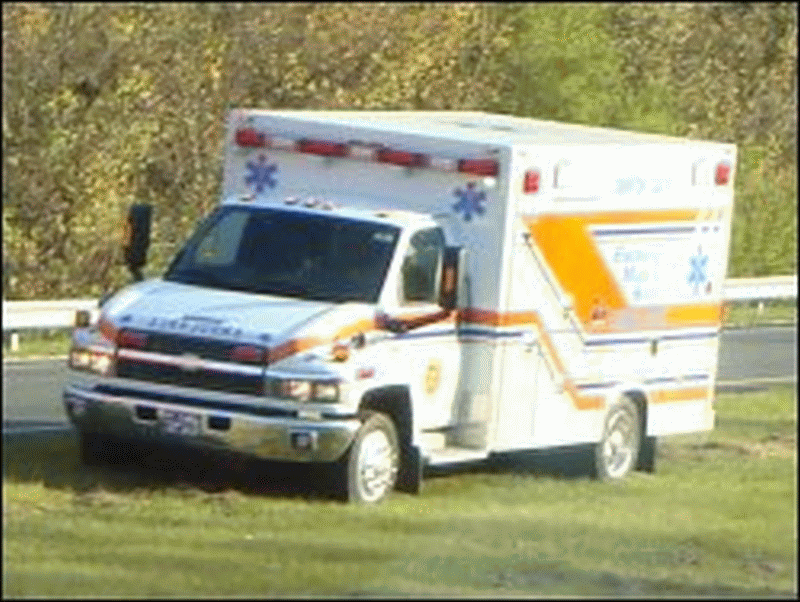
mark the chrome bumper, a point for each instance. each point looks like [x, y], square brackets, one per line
[272, 438]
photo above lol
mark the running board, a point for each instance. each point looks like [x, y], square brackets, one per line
[453, 455]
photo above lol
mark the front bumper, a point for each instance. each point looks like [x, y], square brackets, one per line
[143, 418]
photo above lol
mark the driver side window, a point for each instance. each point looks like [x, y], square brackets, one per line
[422, 266]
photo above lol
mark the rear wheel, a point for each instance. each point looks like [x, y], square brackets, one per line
[616, 454]
[368, 472]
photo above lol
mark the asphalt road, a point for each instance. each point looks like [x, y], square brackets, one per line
[32, 389]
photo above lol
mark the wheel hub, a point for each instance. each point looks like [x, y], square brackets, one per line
[618, 449]
[376, 466]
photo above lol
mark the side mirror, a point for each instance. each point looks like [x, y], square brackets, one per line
[452, 277]
[137, 238]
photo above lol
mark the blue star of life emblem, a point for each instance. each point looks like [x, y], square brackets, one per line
[261, 174]
[697, 266]
[470, 200]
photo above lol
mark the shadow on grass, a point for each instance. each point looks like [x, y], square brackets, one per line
[564, 463]
[53, 459]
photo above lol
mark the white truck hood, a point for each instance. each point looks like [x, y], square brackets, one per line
[230, 315]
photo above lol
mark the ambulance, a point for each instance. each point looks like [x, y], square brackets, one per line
[378, 292]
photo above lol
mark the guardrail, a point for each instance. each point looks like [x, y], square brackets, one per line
[754, 289]
[42, 315]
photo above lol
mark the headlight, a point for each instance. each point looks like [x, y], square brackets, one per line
[99, 361]
[303, 390]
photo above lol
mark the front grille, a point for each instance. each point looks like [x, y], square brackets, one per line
[203, 378]
[178, 345]
[200, 379]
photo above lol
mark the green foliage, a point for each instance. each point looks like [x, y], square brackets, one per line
[109, 104]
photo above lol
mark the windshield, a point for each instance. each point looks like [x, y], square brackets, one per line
[288, 253]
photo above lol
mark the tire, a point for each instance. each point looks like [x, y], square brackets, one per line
[616, 454]
[647, 455]
[368, 471]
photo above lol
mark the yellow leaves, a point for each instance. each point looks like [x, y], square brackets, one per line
[126, 22]
[136, 86]
[33, 21]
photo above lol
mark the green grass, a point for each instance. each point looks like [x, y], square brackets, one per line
[718, 518]
[747, 313]
[46, 343]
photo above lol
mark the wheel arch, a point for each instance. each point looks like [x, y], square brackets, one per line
[395, 402]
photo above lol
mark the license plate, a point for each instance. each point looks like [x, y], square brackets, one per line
[180, 423]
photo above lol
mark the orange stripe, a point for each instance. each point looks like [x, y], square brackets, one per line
[570, 251]
[107, 329]
[667, 395]
[695, 315]
[291, 347]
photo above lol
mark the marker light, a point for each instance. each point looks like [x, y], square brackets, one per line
[531, 181]
[722, 174]
[478, 167]
[402, 158]
[250, 137]
[130, 339]
[246, 354]
[327, 149]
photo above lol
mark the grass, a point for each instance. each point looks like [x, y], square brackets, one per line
[718, 519]
[56, 342]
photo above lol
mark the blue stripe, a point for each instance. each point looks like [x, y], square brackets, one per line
[683, 230]
[651, 381]
[494, 334]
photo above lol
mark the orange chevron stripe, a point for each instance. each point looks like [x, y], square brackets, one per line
[568, 247]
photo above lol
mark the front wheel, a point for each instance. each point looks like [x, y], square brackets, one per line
[368, 472]
[616, 454]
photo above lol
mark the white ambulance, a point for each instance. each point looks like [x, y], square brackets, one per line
[381, 291]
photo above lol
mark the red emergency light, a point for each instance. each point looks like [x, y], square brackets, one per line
[722, 174]
[326, 149]
[129, 339]
[250, 137]
[478, 167]
[531, 181]
[246, 354]
[406, 159]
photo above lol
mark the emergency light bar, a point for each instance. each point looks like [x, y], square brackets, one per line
[251, 138]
